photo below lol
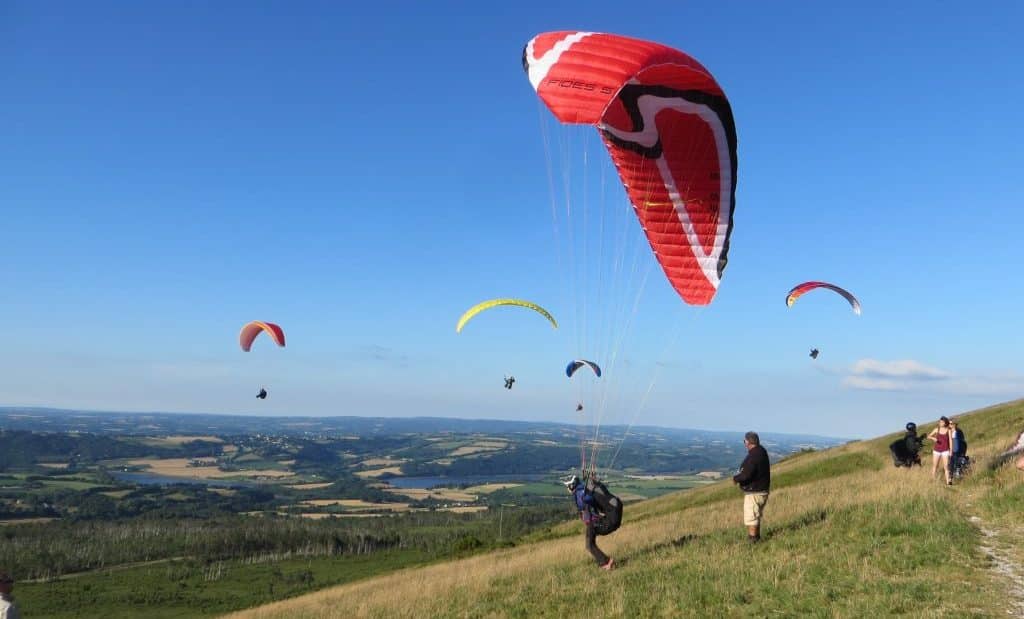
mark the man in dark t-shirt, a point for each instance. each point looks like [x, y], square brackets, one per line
[755, 479]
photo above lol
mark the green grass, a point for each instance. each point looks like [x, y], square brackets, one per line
[846, 535]
[894, 560]
[650, 488]
[536, 488]
[827, 469]
[71, 484]
[186, 588]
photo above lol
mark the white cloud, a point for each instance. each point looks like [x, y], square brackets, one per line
[875, 384]
[910, 375]
[906, 369]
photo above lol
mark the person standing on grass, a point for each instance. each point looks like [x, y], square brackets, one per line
[958, 454]
[585, 504]
[7, 608]
[943, 437]
[755, 479]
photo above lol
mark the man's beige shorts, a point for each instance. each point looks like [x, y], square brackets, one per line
[753, 507]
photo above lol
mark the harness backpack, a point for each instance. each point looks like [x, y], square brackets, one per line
[609, 507]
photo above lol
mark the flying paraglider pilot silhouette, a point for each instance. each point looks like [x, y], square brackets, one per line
[509, 381]
[814, 353]
[262, 395]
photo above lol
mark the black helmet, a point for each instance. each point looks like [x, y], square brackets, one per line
[911, 426]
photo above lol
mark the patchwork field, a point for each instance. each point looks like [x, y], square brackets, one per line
[312, 486]
[393, 470]
[378, 462]
[479, 447]
[179, 467]
[489, 488]
[440, 494]
[357, 504]
[174, 441]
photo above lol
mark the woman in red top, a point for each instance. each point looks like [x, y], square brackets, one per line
[943, 446]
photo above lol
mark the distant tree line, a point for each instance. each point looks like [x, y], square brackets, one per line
[51, 549]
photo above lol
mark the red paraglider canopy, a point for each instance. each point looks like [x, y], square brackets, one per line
[254, 328]
[670, 132]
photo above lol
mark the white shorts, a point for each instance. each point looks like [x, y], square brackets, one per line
[939, 454]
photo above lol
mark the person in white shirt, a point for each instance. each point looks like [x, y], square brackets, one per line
[7, 608]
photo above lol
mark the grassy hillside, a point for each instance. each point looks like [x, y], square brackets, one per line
[846, 535]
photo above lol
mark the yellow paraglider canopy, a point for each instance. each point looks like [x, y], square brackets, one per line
[479, 307]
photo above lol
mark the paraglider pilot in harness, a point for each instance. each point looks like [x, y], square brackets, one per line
[905, 450]
[262, 395]
[509, 381]
[814, 353]
[600, 511]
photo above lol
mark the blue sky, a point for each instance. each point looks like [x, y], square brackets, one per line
[362, 174]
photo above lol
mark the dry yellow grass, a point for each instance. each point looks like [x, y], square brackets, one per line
[312, 486]
[54, 465]
[489, 488]
[478, 447]
[386, 461]
[440, 494]
[464, 509]
[357, 504]
[394, 470]
[117, 494]
[179, 467]
[427, 591]
[812, 524]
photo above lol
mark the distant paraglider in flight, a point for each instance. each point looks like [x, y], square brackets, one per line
[578, 363]
[249, 334]
[509, 381]
[802, 289]
[251, 330]
[479, 307]
[814, 353]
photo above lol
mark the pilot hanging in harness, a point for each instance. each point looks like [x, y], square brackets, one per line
[601, 513]
[509, 381]
[262, 395]
[814, 353]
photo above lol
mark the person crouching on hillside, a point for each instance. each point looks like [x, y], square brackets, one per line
[755, 479]
[588, 513]
[943, 438]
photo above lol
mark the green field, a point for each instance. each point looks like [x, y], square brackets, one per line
[186, 588]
